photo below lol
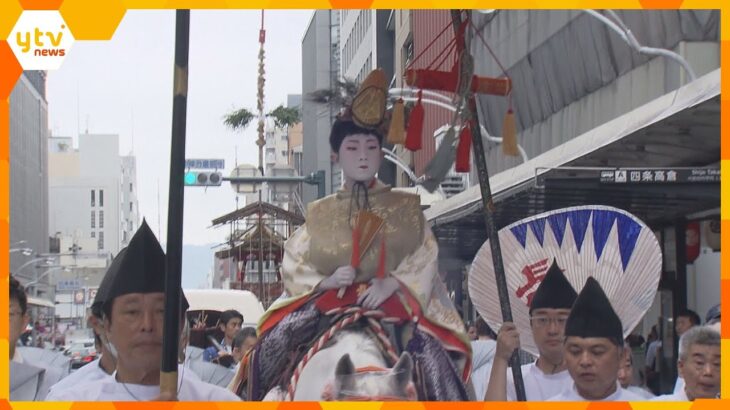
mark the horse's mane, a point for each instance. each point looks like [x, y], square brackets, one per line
[361, 339]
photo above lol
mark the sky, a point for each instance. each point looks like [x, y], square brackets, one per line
[124, 86]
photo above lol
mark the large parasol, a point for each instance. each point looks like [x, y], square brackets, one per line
[610, 244]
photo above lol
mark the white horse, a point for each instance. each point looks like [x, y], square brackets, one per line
[332, 373]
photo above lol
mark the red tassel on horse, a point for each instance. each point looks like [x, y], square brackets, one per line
[464, 149]
[415, 126]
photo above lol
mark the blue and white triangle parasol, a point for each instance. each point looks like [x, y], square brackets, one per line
[612, 245]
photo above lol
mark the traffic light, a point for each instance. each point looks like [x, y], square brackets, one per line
[203, 178]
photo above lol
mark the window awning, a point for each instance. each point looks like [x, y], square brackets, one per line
[679, 129]
[33, 301]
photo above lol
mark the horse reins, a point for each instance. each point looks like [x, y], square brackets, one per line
[351, 315]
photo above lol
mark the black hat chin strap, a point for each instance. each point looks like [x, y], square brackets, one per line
[359, 197]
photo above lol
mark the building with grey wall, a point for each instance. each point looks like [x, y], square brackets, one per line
[129, 206]
[367, 42]
[28, 170]
[320, 70]
[85, 192]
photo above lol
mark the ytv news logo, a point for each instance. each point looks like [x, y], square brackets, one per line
[40, 40]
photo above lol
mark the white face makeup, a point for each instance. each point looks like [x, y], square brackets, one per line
[360, 157]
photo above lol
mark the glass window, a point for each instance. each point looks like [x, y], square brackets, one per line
[101, 240]
[93, 234]
[93, 198]
[131, 207]
[101, 197]
[93, 219]
[101, 219]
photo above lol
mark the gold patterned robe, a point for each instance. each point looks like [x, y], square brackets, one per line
[324, 243]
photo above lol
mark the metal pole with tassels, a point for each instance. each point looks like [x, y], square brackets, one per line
[171, 330]
[489, 209]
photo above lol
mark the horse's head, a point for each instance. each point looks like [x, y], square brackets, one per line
[373, 383]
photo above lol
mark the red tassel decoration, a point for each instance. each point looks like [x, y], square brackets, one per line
[463, 151]
[381, 261]
[355, 259]
[509, 135]
[415, 126]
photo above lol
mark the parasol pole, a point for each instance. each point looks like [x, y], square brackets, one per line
[489, 210]
[171, 328]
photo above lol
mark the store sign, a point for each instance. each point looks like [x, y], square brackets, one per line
[660, 176]
[205, 164]
[68, 284]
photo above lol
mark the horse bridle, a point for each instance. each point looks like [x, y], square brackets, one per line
[371, 369]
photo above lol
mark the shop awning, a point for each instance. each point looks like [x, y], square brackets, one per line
[678, 132]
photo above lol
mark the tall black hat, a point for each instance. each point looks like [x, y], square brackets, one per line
[593, 316]
[103, 290]
[139, 268]
[554, 292]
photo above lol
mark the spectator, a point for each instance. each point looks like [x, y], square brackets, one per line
[482, 357]
[244, 340]
[626, 376]
[685, 320]
[229, 323]
[29, 380]
[699, 365]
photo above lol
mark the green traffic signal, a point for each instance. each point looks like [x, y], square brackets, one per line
[191, 178]
[203, 178]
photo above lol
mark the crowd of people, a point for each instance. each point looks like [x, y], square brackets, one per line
[583, 355]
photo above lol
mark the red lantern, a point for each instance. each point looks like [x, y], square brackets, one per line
[692, 239]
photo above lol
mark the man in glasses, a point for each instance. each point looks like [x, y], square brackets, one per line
[547, 376]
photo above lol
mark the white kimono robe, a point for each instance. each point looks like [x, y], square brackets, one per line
[538, 385]
[31, 381]
[482, 359]
[620, 394]
[191, 388]
[88, 373]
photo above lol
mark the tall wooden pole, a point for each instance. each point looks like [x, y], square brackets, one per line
[489, 209]
[171, 329]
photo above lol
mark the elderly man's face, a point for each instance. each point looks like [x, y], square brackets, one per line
[135, 329]
[701, 371]
[593, 363]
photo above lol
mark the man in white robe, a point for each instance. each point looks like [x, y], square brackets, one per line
[133, 313]
[698, 364]
[626, 376]
[594, 346]
[482, 351]
[106, 363]
[548, 376]
[29, 380]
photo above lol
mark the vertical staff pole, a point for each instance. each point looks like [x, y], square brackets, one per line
[489, 210]
[171, 329]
